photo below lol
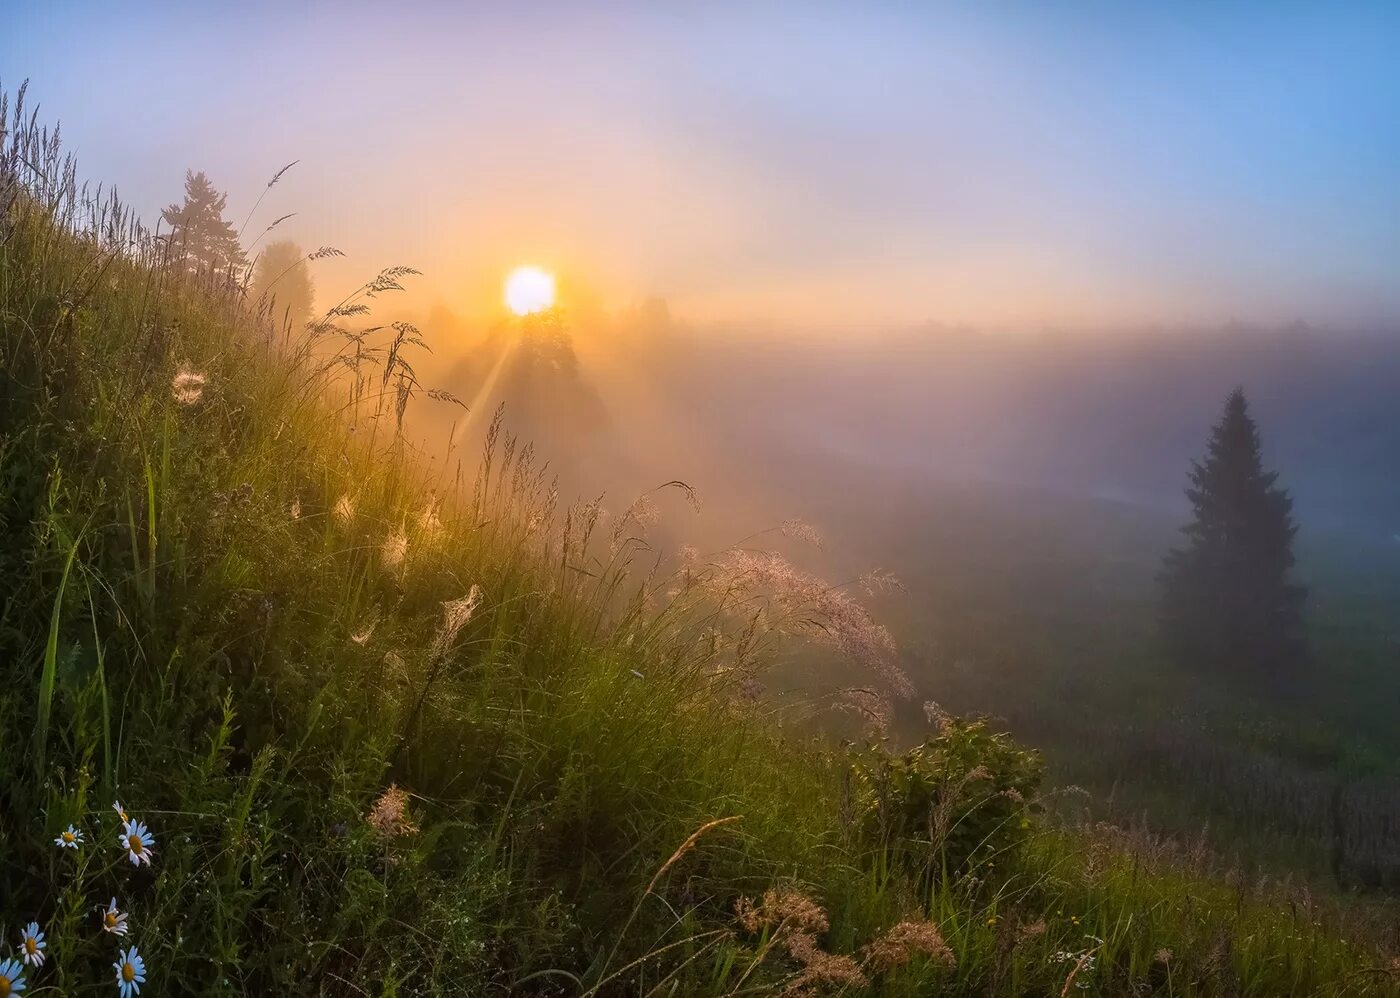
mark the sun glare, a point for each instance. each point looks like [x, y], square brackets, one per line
[529, 289]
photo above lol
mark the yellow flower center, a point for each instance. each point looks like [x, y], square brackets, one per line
[110, 919]
[69, 837]
[30, 945]
[4, 986]
[128, 972]
[136, 845]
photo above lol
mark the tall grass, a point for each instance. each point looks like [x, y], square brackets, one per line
[412, 731]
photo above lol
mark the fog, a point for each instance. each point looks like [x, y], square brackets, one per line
[1099, 415]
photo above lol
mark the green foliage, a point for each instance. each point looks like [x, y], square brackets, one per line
[962, 797]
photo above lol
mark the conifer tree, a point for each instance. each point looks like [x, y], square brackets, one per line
[199, 235]
[1227, 600]
[282, 285]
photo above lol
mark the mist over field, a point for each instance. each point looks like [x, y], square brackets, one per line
[607, 499]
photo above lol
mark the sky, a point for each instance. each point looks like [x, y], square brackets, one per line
[808, 165]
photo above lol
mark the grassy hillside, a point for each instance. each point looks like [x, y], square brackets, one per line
[397, 728]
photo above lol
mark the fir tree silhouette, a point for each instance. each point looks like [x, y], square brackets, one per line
[282, 285]
[198, 232]
[1227, 600]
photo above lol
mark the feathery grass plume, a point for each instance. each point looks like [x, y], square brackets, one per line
[903, 942]
[1030, 931]
[877, 581]
[802, 531]
[187, 386]
[819, 968]
[389, 816]
[820, 611]
[937, 717]
[867, 704]
[782, 907]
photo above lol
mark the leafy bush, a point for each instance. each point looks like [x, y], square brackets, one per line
[961, 798]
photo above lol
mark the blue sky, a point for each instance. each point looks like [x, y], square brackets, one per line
[1008, 164]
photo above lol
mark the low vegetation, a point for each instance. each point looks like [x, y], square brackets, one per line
[289, 709]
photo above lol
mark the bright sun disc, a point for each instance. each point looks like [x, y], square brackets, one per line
[529, 289]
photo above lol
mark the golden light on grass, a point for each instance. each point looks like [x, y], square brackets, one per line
[529, 290]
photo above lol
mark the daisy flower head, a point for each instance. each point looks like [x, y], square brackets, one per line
[131, 972]
[31, 945]
[121, 811]
[114, 921]
[69, 838]
[11, 978]
[138, 842]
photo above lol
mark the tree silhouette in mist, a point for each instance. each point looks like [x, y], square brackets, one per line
[282, 284]
[199, 233]
[1227, 600]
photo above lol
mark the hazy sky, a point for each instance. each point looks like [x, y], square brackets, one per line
[999, 163]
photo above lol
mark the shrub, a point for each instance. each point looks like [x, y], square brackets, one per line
[961, 798]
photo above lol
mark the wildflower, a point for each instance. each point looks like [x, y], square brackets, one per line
[187, 386]
[389, 817]
[121, 811]
[11, 978]
[344, 510]
[392, 551]
[131, 972]
[114, 921]
[138, 842]
[69, 838]
[31, 945]
[296, 509]
[1164, 955]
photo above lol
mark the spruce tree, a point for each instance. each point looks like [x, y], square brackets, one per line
[1227, 600]
[199, 235]
[282, 285]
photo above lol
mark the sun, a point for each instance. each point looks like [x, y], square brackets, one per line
[529, 289]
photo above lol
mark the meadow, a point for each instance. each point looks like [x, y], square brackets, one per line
[317, 714]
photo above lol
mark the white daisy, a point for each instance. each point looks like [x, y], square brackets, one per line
[131, 972]
[11, 978]
[121, 811]
[31, 945]
[70, 838]
[138, 842]
[114, 921]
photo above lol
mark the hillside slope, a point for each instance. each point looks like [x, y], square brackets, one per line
[396, 730]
